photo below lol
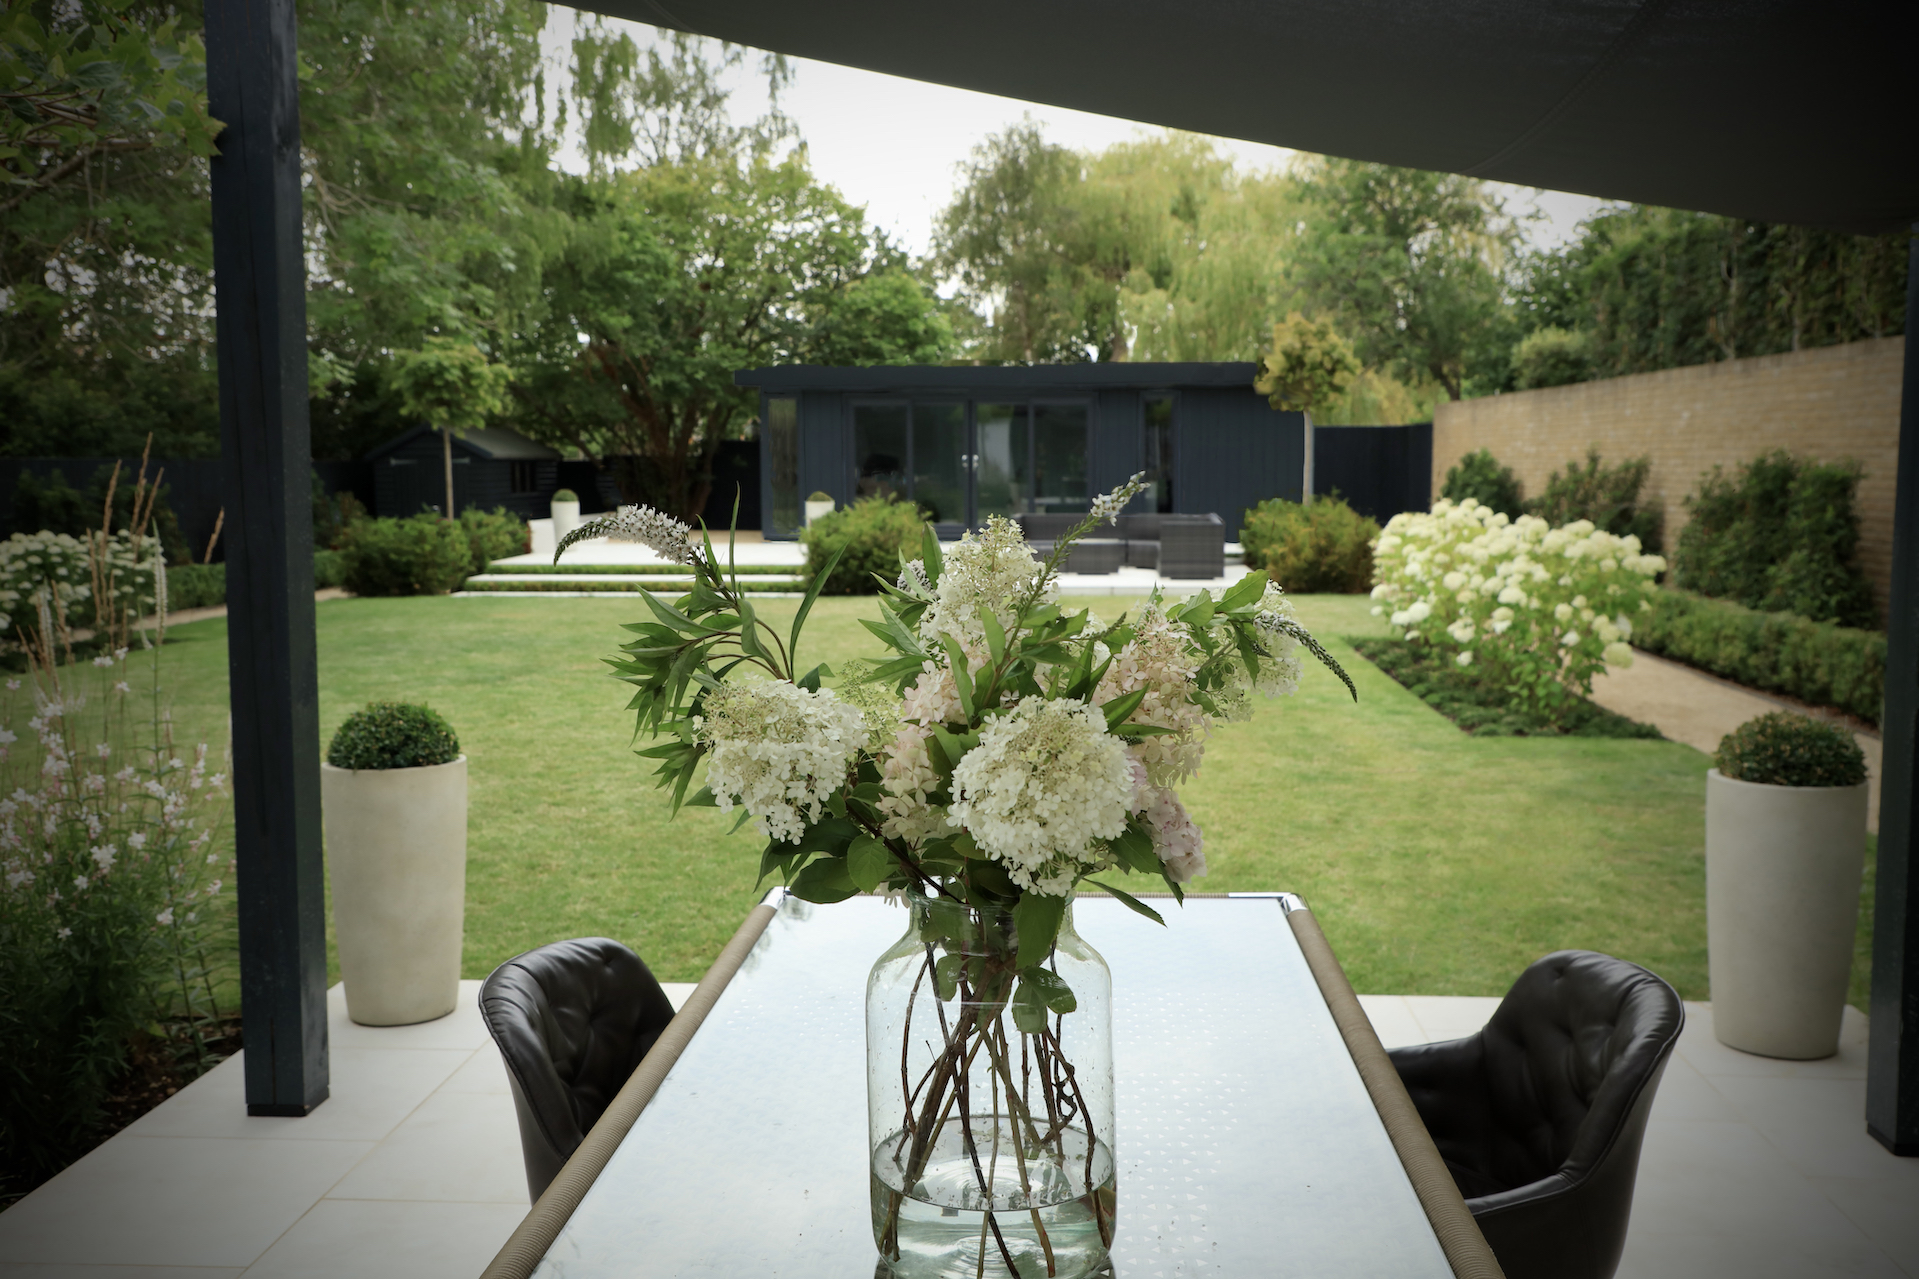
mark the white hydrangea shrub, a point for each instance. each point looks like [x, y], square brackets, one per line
[1518, 596]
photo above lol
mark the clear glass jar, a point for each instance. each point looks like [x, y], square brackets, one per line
[990, 1110]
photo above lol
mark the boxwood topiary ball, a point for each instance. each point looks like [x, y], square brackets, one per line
[1784, 749]
[393, 735]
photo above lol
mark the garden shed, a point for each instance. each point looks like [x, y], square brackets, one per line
[971, 442]
[491, 467]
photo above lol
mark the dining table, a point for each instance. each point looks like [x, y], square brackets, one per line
[1257, 1131]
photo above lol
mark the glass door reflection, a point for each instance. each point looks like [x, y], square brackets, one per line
[940, 470]
[1001, 464]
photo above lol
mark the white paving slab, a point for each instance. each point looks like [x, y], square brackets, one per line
[1753, 1168]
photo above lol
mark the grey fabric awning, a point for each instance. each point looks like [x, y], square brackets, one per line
[1781, 110]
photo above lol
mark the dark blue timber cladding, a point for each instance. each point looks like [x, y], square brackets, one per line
[1892, 1057]
[196, 488]
[1231, 450]
[260, 289]
[1379, 470]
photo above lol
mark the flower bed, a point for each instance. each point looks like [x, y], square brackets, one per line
[1483, 708]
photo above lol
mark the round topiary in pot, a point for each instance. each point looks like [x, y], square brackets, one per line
[393, 797]
[393, 735]
[565, 495]
[1784, 749]
[1785, 850]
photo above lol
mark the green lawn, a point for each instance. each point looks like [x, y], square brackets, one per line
[1439, 863]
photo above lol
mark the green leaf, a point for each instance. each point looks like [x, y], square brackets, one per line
[1247, 590]
[946, 976]
[703, 798]
[1135, 904]
[869, 862]
[811, 680]
[832, 835]
[806, 605]
[1050, 988]
[1199, 610]
[962, 681]
[824, 881]
[930, 556]
[989, 875]
[1119, 708]
[1037, 920]
[1134, 848]
[995, 635]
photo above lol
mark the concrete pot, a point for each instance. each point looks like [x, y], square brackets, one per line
[817, 510]
[566, 518]
[1783, 865]
[396, 856]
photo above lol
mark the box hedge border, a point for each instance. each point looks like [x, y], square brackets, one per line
[1815, 662]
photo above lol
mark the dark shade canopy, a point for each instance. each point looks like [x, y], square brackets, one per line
[1787, 111]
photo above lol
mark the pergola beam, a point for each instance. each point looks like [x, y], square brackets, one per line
[260, 286]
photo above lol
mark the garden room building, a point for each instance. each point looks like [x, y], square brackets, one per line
[968, 443]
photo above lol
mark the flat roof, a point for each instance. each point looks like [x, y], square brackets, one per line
[973, 378]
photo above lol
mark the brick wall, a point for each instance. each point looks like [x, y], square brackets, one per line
[1830, 403]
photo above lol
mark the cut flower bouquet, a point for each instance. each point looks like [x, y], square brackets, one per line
[997, 754]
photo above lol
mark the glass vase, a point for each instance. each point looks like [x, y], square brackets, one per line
[989, 1106]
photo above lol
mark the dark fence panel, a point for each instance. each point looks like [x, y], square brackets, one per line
[736, 469]
[1379, 470]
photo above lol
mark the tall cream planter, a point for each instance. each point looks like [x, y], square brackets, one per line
[566, 518]
[1783, 865]
[396, 855]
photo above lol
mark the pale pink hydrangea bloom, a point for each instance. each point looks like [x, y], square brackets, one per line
[1159, 660]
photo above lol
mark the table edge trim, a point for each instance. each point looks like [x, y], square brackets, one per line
[1460, 1238]
[526, 1247]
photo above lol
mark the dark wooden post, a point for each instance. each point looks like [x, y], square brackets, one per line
[260, 283]
[1892, 1070]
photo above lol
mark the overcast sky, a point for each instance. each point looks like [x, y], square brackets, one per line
[893, 144]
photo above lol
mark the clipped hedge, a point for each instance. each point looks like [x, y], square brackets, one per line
[420, 555]
[393, 735]
[872, 532]
[1816, 662]
[1787, 749]
[205, 585]
[1321, 545]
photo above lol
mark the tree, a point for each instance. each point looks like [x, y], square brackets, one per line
[453, 386]
[888, 317]
[675, 276]
[1648, 288]
[105, 245]
[1410, 262]
[1309, 365]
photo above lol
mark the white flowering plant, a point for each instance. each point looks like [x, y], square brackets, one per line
[1539, 610]
[998, 753]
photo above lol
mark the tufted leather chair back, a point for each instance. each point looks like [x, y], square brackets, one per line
[1541, 1115]
[572, 1021]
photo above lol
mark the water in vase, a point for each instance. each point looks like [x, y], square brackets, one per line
[1048, 1207]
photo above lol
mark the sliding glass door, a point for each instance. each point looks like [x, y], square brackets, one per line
[963, 462]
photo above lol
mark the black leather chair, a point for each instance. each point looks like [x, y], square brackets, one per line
[572, 1020]
[1540, 1115]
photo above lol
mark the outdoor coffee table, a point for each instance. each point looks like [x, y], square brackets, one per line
[1248, 1143]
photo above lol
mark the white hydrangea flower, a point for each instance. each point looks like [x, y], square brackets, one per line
[779, 750]
[993, 570]
[1159, 660]
[1045, 785]
[1618, 653]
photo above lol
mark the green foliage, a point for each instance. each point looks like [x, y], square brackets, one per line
[1308, 548]
[493, 535]
[419, 555]
[678, 275]
[1407, 261]
[1480, 477]
[393, 735]
[888, 317]
[196, 586]
[113, 919]
[564, 495]
[1308, 366]
[105, 252]
[449, 383]
[1485, 707]
[55, 506]
[1781, 534]
[1552, 357]
[867, 539]
[1658, 288]
[329, 570]
[1816, 662]
[1785, 749]
[1606, 495]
